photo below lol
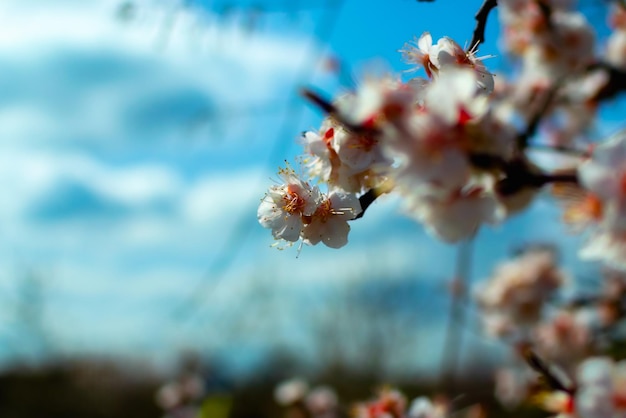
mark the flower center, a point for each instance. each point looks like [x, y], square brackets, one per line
[323, 211]
[292, 201]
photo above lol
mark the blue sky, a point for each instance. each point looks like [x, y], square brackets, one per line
[134, 152]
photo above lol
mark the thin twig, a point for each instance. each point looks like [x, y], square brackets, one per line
[560, 149]
[541, 367]
[366, 199]
[544, 179]
[533, 124]
[616, 81]
[330, 109]
[478, 37]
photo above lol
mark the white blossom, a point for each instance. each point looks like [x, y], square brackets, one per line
[329, 223]
[283, 207]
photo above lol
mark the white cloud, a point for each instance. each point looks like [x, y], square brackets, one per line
[104, 189]
[81, 76]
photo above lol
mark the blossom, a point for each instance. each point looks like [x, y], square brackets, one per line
[422, 54]
[433, 147]
[432, 153]
[320, 155]
[604, 177]
[444, 55]
[601, 388]
[456, 215]
[329, 223]
[322, 402]
[389, 404]
[359, 152]
[283, 207]
[296, 210]
[604, 174]
[565, 338]
[291, 391]
[519, 288]
[378, 101]
[512, 385]
[323, 161]
[453, 96]
[422, 407]
[616, 49]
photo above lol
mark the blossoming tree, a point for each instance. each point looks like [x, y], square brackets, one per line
[456, 147]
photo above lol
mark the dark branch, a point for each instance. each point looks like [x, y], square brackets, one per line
[560, 149]
[366, 199]
[544, 179]
[488, 161]
[331, 110]
[533, 124]
[478, 37]
[317, 100]
[518, 173]
[544, 370]
[615, 84]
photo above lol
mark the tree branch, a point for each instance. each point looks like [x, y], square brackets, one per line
[330, 109]
[366, 199]
[533, 124]
[478, 37]
[537, 364]
[615, 84]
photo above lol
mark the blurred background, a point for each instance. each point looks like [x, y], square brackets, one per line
[137, 139]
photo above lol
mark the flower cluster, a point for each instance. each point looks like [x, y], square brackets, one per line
[391, 403]
[600, 391]
[603, 176]
[513, 299]
[296, 210]
[459, 147]
[317, 402]
[566, 333]
[323, 402]
[455, 145]
[436, 141]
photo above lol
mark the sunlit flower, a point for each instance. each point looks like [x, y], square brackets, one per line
[420, 53]
[447, 54]
[329, 223]
[283, 207]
